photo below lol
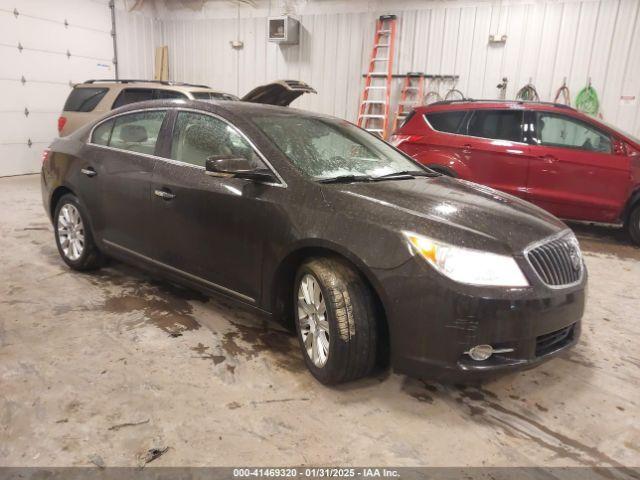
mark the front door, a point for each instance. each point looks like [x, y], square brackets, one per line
[496, 152]
[574, 171]
[122, 153]
[211, 228]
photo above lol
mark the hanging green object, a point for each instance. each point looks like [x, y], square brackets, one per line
[587, 101]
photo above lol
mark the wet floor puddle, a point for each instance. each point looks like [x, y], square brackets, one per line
[169, 308]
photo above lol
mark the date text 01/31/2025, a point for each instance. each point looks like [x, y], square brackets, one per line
[321, 472]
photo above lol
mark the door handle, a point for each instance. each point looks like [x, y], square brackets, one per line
[89, 172]
[548, 158]
[466, 148]
[163, 194]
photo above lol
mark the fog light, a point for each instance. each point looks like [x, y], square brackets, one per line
[480, 352]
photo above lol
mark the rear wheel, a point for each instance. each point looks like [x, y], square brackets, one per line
[633, 224]
[335, 317]
[73, 237]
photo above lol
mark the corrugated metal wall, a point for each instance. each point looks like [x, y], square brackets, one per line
[137, 35]
[547, 41]
[44, 47]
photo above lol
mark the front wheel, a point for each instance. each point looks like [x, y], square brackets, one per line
[633, 225]
[73, 236]
[335, 315]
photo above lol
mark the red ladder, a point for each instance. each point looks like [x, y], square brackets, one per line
[374, 112]
[410, 96]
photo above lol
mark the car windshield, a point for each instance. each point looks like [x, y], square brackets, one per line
[326, 148]
[622, 132]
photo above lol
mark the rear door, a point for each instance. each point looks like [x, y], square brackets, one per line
[495, 151]
[574, 172]
[122, 161]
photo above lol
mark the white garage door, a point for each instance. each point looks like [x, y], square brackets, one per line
[45, 46]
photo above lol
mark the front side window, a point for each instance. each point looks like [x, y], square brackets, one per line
[562, 131]
[198, 137]
[84, 99]
[136, 132]
[325, 148]
[447, 122]
[497, 124]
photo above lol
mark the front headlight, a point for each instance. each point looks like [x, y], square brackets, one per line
[465, 265]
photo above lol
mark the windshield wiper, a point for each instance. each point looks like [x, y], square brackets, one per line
[407, 174]
[346, 179]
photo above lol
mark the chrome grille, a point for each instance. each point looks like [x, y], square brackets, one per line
[557, 262]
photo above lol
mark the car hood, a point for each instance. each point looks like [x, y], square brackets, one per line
[456, 211]
[281, 92]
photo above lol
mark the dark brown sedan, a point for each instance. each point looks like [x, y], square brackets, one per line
[326, 228]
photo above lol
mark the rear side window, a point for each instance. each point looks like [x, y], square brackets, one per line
[497, 124]
[132, 95]
[136, 132]
[169, 94]
[407, 119]
[213, 96]
[102, 133]
[448, 122]
[84, 99]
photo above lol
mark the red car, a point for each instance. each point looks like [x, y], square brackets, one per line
[549, 154]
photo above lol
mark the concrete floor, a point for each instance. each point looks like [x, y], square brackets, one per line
[102, 367]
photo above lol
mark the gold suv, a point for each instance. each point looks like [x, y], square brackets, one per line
[94, 98]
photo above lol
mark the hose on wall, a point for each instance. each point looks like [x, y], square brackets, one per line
[587, 100]
[563, 92]
[528, 93]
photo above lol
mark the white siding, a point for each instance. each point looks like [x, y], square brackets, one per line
[547, 41]
[137, 36]
[43, 62]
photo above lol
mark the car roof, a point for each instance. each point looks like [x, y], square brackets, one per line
[470, 104]
[238, 108]
[159, 84]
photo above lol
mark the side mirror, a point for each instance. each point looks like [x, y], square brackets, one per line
[238, 167]
[619, 147]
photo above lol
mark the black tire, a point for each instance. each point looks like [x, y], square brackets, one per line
[633, 224]
[90, 257]
[351, 313]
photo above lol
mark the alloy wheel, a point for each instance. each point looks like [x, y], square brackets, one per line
[70, 232]
[312, 319]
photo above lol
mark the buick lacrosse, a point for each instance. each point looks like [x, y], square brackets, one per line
[371, 257]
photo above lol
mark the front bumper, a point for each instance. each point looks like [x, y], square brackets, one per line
[434, 321]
